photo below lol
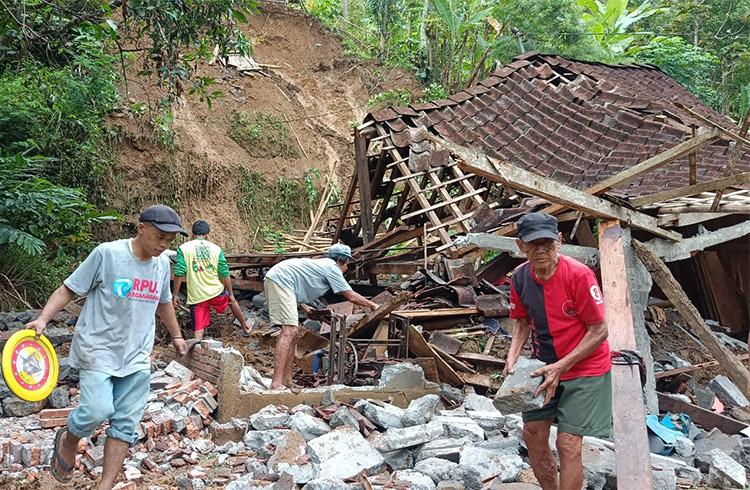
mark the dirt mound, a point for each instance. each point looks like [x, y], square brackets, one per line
[301, 115]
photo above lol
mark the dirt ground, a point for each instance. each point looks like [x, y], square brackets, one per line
[319, 89]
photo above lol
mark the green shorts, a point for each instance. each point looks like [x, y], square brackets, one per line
[581, 406]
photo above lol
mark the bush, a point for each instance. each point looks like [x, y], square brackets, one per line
[261, 135]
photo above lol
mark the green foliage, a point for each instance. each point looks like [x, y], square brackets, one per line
[400, 96]
[610, 21]
[26, 279]
[36, 215]
[260, 134]
[692, 66]
[434, 91]
[312, 183]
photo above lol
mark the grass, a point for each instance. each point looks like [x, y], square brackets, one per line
[261, 135]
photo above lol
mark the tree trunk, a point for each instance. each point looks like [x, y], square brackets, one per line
[423, 26]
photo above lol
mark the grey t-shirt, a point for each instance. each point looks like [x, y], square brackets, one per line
[309, 279]
[115, 331]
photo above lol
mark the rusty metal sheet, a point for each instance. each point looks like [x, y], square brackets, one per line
[493, 305]
[466, 295]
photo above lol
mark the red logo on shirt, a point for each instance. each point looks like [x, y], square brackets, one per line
[144, 289]
[569, 309]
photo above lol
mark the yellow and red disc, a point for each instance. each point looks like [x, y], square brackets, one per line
[30, 366]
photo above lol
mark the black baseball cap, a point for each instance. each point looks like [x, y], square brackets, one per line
[163, 218]
[200, 227]
[533, 226]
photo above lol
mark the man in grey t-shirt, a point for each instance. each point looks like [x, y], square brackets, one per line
[294, 282]
[126, 283]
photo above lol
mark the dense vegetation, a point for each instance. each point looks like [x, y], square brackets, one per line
[62, 67]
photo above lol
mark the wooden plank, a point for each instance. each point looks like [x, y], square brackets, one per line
[446, 343]
[477, 162]
[729, 302]
[480, 380]
[674, 292]
[705, 208]
[346, 206]
[438, 313]
[443, 204]
[474, 357]
[378, 351]
[420, 348]
[721, 129]
[684, 249]
[378, 314]
[428, 366]
[412, 183]
[674, 372]
[692, 190]
[687, 219]
[705, 418]
[363, 176]
[447, 199]
[632, 457]
[732, 160]
[457, 365]
[584, 235]
[693, 162]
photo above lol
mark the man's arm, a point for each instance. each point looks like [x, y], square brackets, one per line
[595, 334]
[165, 311]
[56, 302]
[521, 332]
[358, 299]
[227, 282]
[178, 280]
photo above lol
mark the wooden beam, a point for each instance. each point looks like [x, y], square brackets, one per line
[374, 316]
[693, 161]
[346, 206]
[438, 313]
[692, 190]
[724, 131]
[684, 249]
[587, 255]
[687, 219]
[674, 292]
[477, 162]
[705, 208]
[695, 367]
[632, 456]
[420, 348]
[363, 176]
[476, 358]
[442, 204]
[705, 418]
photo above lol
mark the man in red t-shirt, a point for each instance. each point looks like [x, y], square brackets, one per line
[558, 301]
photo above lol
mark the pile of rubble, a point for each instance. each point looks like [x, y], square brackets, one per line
[455, 440]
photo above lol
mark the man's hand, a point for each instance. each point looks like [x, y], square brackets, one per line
[176, 302]
[305, 309]
[551, 373]
[38, 325]
[180, 346]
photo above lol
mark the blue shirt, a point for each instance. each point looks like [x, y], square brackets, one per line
[309, 279]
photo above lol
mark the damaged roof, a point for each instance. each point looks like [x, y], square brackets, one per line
[573, 121]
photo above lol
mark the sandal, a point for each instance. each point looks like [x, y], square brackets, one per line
[66, 474]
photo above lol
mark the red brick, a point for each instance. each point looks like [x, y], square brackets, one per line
[210, 388]
[55, 413]
[52, 423]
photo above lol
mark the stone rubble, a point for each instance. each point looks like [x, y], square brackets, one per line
[434, 443]
[517, 391]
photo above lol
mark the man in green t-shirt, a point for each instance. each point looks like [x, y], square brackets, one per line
[203, 266]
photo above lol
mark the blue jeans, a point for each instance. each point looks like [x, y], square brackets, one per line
[104, 397]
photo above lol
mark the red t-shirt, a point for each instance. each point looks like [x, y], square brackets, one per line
[560, 308]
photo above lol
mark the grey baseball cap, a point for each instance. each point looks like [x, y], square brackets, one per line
[340, 250]
[533, 226]
[163, 218]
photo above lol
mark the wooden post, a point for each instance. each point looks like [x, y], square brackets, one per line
[733, 157]
[692, 159]
[632, 456]
[363, 174]
[735, 370]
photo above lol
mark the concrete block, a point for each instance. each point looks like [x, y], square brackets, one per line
[15, 407]
[728, 393]
[344, 453]
[420, 411]
[693, 475]
[725, 472]
[401, 376]
[310, 427]
[664, 479]
[60, 397]
[490, 463]
[343, 417]
[457, 427]
[451, 394]
[304, 409]
[264, 442]
[394, 439]
[269, 417]
[255, 467]
[177, 370]
[325, 484]
[505, 445]
[233, 431]
[447, 448]
[517, 391]
[386, 416]
[247, 482]
[684, 447]
[437, 469]
[415, 479]
[402, 459]
[490, 421]
[479, 403]
[290, 457]
[450, 485]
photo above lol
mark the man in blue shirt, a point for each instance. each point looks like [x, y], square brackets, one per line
[292, 283]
